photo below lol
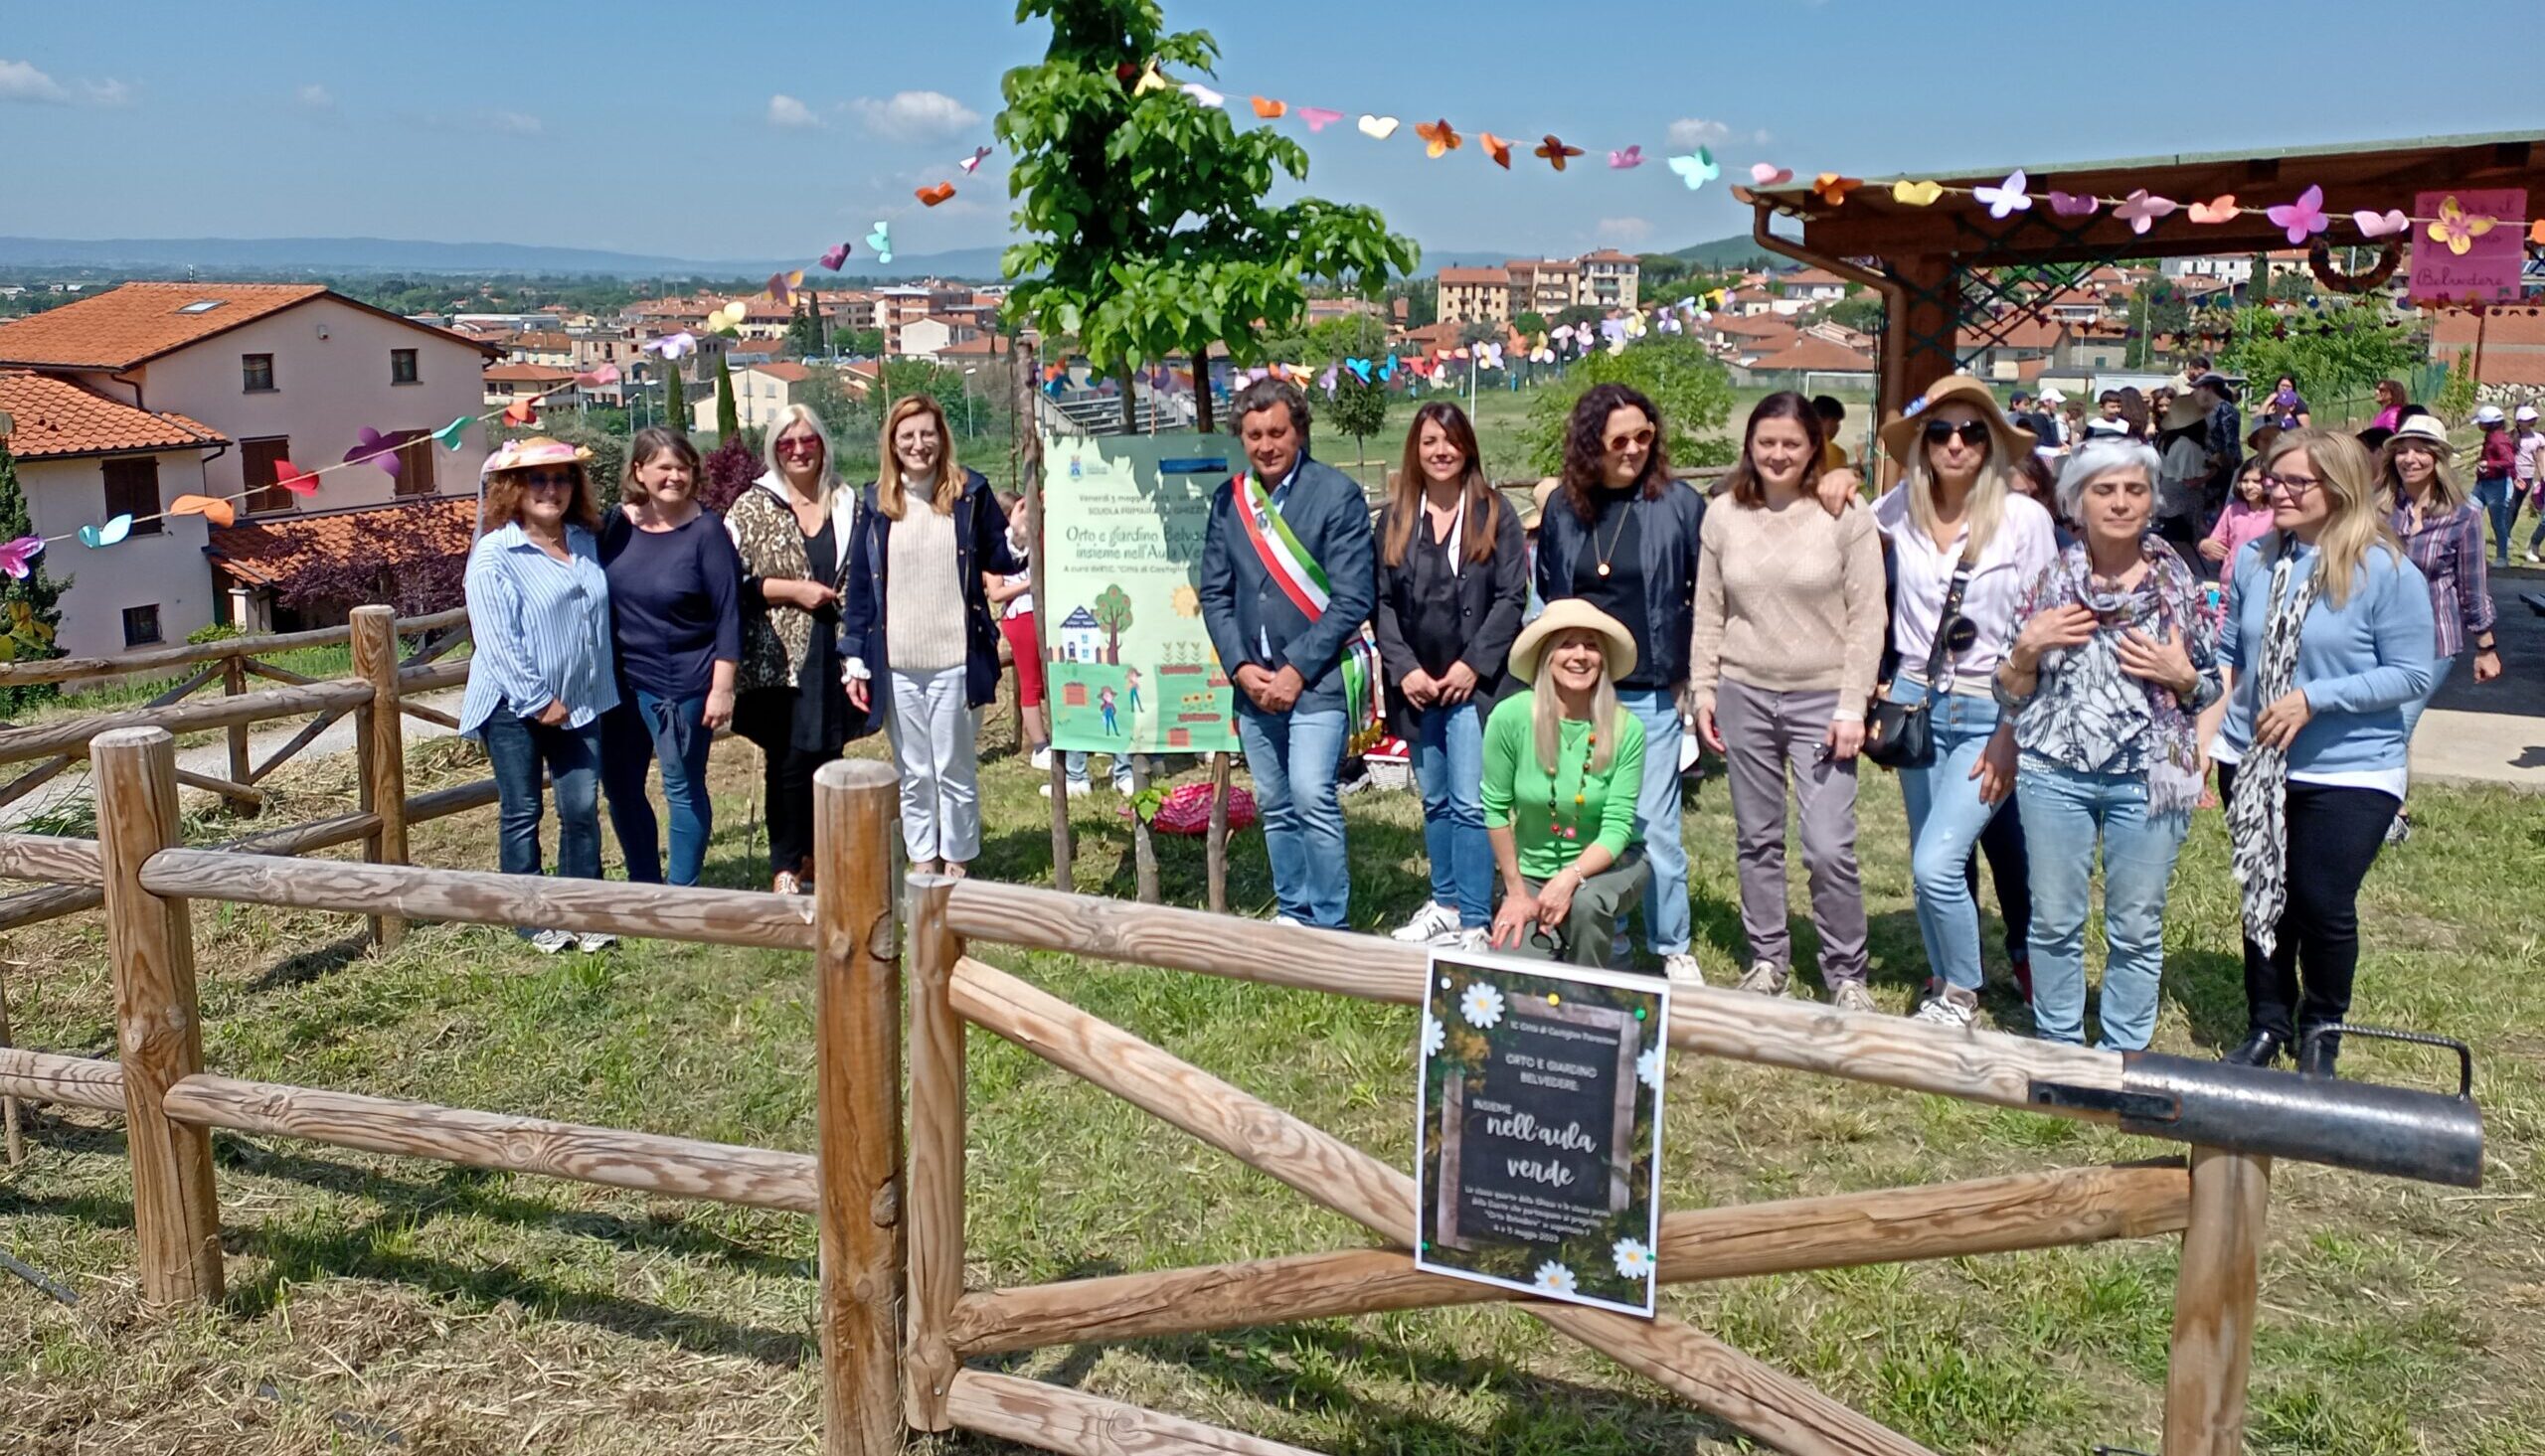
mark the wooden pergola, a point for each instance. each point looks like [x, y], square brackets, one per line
[1934, 264]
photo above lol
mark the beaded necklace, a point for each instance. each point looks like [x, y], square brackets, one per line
[1560, 829]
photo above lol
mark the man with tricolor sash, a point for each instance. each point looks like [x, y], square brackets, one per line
[1287, 582]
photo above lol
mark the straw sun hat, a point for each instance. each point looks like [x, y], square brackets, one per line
[1902, 435]
[1572, 614]
[536, 450]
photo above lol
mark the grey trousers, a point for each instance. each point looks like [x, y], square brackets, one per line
[931, 727]
[1591, 923]
[1764, 735]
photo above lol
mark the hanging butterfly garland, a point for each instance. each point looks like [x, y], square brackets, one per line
[2320, 262]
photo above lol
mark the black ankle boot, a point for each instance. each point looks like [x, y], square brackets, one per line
[2316, 1055]
[2261, 1048]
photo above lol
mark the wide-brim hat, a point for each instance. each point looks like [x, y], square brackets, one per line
[2217, 383]
[1572, 614]
[536, 450]
[2183, 412]
[2424, 429]
[1900, 437]
[1536, 508]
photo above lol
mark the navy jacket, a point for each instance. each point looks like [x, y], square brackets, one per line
[1243, 608]
[1668, 528]
[980, 545]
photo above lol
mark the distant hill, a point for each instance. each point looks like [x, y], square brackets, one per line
[1741, 251]
[287, 255]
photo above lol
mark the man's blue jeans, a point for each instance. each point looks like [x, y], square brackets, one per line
[642, 730]
[1292, 758]
[518, 750]
[1656, 820]
[2500, 500]
[1449, 768]
[1945, 818]
[2063, 811]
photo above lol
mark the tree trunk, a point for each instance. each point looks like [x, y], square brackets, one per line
[1202, 392]
[1130, 398]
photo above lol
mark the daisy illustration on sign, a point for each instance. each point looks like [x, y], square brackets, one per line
[1538, 1139]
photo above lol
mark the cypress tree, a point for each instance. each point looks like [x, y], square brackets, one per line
[675, 402]
[729, 421]
[31, 637]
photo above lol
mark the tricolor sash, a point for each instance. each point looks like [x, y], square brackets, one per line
[1304, 582]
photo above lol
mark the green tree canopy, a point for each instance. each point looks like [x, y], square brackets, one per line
[2337, 349]
[1691, 389]
[27, 637]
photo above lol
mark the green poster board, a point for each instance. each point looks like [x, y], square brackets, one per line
[1129, 667]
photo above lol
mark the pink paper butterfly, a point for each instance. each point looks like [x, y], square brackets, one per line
[973, 162]
[376, 447]
[2069, 205]
[15, 556]
[2301, 217]
[2382, 225]
[835, 258]
[1626, 160]
[1317, 117]
[2007, 197]
[607, 374]
[1769, 173]
[2143, 211]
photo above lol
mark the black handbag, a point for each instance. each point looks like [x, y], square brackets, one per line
[1897, 735]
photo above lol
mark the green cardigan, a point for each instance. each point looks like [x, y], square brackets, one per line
[1516, 788]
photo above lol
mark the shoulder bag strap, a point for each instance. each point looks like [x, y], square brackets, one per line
[1938, 654]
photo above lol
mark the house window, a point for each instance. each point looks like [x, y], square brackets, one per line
[132, 489]
[256, 461]
[415, 462]
[140, 625]
[402, 367]
[256, 373]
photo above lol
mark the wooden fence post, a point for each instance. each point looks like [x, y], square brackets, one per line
[858, 1107]
[1216, 851]
[234, 681]
[17, 1140]
[1143, 847]
[2214, 1295]
[381, 732]
[936, 1221]
[150, 942]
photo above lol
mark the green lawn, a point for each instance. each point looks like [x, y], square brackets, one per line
[379, 1304]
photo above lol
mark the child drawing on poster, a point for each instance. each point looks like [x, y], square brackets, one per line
[1131, 684]
[1104, 705]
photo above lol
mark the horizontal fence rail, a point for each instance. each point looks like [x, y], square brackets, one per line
[74, 668]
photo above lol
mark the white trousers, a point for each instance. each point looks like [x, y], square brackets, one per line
[933, 748]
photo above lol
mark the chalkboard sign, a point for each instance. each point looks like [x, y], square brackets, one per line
[1539, 1138]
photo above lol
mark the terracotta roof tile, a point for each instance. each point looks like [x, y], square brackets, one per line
[55, 418]
[1808, 352]
[267, 550]
[139, 322]
[527, 373]
[783, 372]
[1499, 277]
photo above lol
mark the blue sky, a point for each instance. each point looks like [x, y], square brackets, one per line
[659, 128]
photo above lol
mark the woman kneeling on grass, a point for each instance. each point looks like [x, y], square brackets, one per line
[1563, 765]
[2112, 662]
[542, 674]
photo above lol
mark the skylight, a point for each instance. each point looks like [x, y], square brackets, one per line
[203, 305]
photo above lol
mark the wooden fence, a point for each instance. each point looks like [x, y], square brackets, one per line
[898, 1322]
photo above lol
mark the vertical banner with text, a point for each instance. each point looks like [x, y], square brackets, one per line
[1130, 666]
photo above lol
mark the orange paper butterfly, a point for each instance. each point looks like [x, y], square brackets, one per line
[1833, 189]
[1555, 152]
[2219, 208]
[1437, 137]
[1269, 110]
[937, 194]
[1496, 148]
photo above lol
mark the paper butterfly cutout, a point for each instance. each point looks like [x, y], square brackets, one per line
[1562, 331]
[2142, 210]
[1387, 371]
[375, 447]
[729, 319]
[211, 508]
[1697, 169]
[16, 555]
[2536, 233]
[2007, 197]
[1269, 110]
[881, 239]
[1326, 380]
[2070, 205]
[1769, 173]
[1916, 194]
[1150, 82]
[1203, 94]
[98, 536]
[2382, 225]
[2219, 208]
[1554, 152]
[1488, 356]
[2456, 229]
[607, 374]
[781, 286]
[1496, 148]
[1438, 137]
[1379, 128]
[448, 436]
[519, 413]
[1319, 118]
[1360, 369]
[835, 257]
[973, 163]
[1833, 189]
[1626, 160]
[673, 346]
[2300, 219]
[931, 196]
[1613, 330]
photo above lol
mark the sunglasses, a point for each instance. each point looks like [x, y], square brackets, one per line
[1972, 431]
[802, 445]
[2294, 486]
[1636, 440]
[548, 480]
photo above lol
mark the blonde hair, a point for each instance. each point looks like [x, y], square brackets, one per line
[1548, 710]
[2451, 491]
[1981, 513]
[889, 498]
[788, 418]
[2356, 523]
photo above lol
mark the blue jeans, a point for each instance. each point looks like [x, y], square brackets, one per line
[642, 730]
[1073, 765]
[1656, 820]
[1292, 758]
[2063, 811]
[519, 749]
[2414, 709]
[1448, 766]
[1945, 818]
[2500, 500]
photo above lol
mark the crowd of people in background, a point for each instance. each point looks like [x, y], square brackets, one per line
[2051, 625]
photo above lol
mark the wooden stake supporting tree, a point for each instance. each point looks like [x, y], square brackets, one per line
[380, 732]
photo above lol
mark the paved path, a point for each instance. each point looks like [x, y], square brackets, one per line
[2493, 734]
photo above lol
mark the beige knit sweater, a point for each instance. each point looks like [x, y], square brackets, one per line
[1787, 601]
[924, 614]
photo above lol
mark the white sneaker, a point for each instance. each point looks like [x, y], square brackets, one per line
[548, 943]
[1764, 977]
[596, 941]
[2534, 560]
[1042, 760]
[1472, 940]
[1682, 969]
[1076, 788]
[1287, 921]
[1950, 1007]
[1853, 996]
[1428, 924]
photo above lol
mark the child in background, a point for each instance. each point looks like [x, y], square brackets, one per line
[2493, 489]
[2246, 519]
[1013, 598]
[2525, 476]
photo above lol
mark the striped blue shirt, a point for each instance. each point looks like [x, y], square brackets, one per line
[541, 628]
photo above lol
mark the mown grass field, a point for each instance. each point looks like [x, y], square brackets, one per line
[385, 1305]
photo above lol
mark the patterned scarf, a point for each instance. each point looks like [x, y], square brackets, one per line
[2257, 817]
[2161, 605]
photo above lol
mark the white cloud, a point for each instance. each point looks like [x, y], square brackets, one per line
[316, 98]
[108, 92]
[21, 82]
[790, 114]
[513, 124]
[914, 116]
[1690, 132]
[1624, 230]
